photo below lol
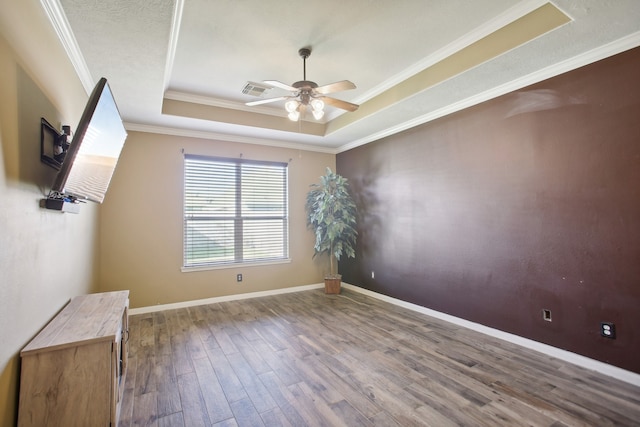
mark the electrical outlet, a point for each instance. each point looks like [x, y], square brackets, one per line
[239, 277]
[608, 330]
[546, 315]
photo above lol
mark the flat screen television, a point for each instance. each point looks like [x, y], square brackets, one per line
[93, 153]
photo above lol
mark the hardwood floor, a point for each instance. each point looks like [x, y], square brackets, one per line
[310, 359]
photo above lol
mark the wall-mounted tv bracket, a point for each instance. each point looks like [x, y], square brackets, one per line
[53, 144]
[53, 149]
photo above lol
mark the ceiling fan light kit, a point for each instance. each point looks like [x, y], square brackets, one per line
[292, 106]
[308, 94]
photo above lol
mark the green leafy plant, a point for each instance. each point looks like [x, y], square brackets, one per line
[331, 214]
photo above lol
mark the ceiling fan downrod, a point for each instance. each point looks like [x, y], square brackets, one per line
[307, 93]
[304, 53]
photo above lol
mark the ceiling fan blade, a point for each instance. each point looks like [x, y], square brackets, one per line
[265, 101]
[335, 87]
[344, 105]
[281, 85]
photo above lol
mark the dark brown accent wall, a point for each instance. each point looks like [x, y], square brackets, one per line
[527, 202]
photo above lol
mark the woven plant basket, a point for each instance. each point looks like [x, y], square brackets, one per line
[332, 285]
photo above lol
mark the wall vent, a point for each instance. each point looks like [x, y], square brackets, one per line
[255, 89]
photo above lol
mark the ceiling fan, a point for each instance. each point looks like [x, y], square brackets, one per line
[307, 94]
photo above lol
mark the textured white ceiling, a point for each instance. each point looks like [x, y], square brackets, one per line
[204, 52]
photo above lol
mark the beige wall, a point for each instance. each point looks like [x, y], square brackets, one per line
[46, 257]
[141, 223]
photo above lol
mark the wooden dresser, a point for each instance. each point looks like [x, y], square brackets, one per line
[73, 371]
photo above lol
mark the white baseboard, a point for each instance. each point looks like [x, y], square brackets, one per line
[193, 303]
[567, 356]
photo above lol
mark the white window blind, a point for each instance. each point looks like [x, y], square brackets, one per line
[235, 211]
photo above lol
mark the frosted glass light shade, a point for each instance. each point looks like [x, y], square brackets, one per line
[291, 106]
[317, 104]
[294, 115]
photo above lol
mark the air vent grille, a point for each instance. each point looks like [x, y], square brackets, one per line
[255, 89]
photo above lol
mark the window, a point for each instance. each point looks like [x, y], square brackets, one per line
[235, 211]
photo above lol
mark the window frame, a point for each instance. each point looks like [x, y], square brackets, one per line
[239, 218]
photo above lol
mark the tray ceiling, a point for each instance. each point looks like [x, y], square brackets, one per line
[179, 67]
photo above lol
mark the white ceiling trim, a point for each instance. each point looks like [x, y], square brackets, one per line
[504, 19]
[163, 130]
[58, 19]
[214, 102]
[173, 41]
[471, 37]
[628, 42]
[56, 15]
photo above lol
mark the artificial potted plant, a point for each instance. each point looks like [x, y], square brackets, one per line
[331, 214]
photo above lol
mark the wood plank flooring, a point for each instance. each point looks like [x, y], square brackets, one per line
[310, 359]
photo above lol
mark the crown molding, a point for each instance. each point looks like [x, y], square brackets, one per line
[214, 102]
[618, 46]
[189, 133]
[175, 95]
[173, 41]
[493, 25]
[58, 19]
